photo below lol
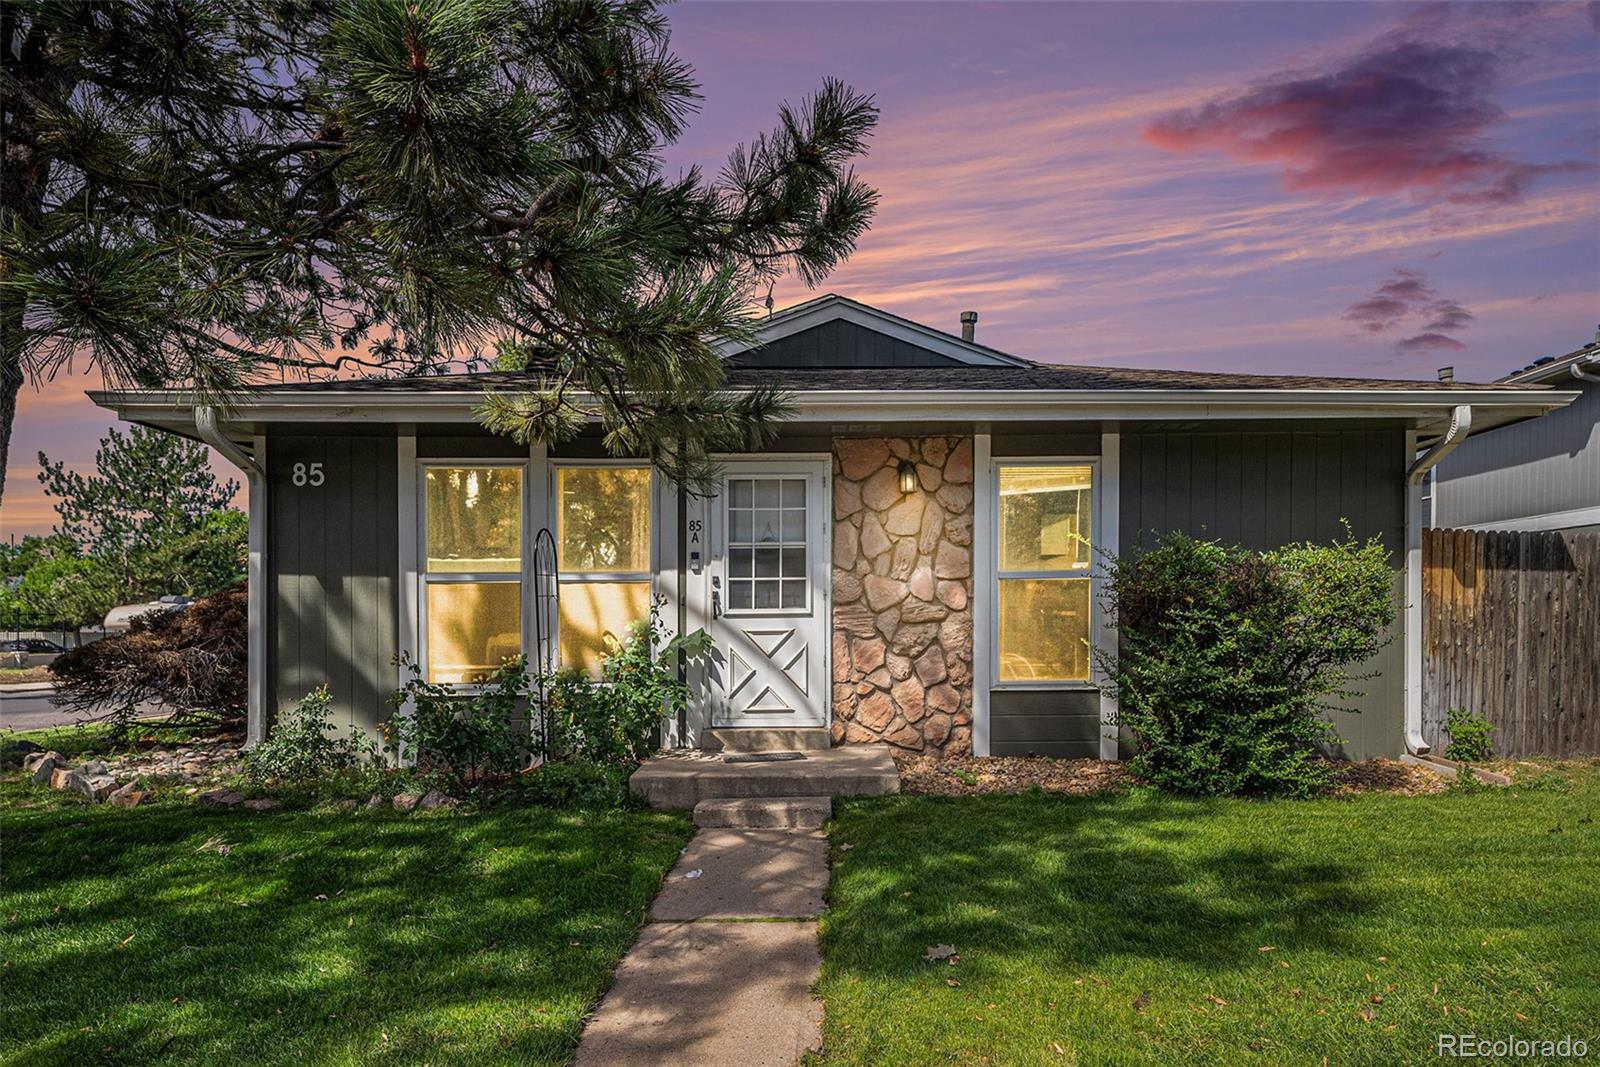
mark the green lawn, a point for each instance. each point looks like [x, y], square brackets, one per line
[1140, 929]
[176, 935]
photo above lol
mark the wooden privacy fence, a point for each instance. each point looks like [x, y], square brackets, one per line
[1511, 629]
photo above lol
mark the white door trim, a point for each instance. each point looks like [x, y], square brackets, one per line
[699, 587]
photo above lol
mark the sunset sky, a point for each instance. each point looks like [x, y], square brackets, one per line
[1344, 188]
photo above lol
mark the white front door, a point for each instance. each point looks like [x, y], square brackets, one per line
[767, 595]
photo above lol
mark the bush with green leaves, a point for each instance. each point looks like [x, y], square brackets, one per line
[304, 745]
[1471, 736]
[1228, 659]
[461, 737]
[577, 783]
[614, 720]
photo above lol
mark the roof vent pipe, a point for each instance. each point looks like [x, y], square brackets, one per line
[1447, 374]
[969, 325]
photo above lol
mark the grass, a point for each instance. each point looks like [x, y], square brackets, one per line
[171, 934]
[1144, 929]
[19, 675]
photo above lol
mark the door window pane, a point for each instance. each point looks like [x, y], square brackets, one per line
[473, 628]
[766, 542]
[473, 517]
[1044, 629]
[604, 519]
[1045, 518]
[595, 617]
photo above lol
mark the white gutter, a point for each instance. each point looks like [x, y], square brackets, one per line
[206, 425]
[1582, 375]
[1460, 425]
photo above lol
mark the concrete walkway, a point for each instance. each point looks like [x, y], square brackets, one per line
[722, 974]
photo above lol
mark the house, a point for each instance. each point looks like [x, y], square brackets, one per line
[916, 560]
[1539, 475]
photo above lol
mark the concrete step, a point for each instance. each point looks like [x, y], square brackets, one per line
[764, 813]
[684, 779]
[777, 739]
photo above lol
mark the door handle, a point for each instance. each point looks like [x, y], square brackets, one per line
[716, 603]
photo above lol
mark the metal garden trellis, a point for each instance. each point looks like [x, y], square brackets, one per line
[546, 623]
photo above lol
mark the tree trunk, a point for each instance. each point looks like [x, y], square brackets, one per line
[10, 386]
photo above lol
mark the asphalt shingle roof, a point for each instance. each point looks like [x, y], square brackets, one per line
[1042, 376]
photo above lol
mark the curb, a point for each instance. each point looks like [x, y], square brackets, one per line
[27, 687]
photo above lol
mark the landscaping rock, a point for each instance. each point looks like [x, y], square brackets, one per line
[434, 799]
[346, 805]
[129, 796]
[220, 798]
[99, 787]
[95, 767]
[44, 767]
[406, 801]
[375, 801]
[263, 804]
[67, 778]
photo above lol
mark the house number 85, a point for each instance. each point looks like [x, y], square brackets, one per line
[307, 474]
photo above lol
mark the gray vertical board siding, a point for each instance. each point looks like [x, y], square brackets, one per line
[841, 344]
[1041, 722]
[1268, 488]
[1549, 464]
[332, 569]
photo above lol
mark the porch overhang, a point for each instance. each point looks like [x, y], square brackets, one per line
[1426, 411]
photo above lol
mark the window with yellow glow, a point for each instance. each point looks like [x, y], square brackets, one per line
[604, 521]
[1045, 547]
[472, 570]
[473, 628]
[603, 550]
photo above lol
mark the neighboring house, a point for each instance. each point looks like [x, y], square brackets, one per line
[917, 559]
[1539, 475]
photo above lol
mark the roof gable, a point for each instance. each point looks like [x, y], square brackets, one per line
[837, 332]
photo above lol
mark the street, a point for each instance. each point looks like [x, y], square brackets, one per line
[32, 710]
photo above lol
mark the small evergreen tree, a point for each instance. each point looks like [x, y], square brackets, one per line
[148, 487]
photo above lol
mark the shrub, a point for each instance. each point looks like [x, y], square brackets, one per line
[614, 721]
[462, 737]
[193, 663]
[577, 784]
[1227, 658]
[303, 746]
[1470, 740]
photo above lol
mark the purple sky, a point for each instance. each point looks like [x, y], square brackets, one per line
[1370, 189]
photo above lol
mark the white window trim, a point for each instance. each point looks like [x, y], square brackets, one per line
[422, 577]
[1093, 574]
[658, 512]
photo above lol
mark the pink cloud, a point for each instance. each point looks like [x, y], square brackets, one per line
[1430, 342]
[1407, 295]
[1402, 116]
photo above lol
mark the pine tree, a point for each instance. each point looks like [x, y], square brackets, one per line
[147, 488]
[216, 192]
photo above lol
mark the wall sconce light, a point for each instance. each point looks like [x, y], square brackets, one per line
[908, 476]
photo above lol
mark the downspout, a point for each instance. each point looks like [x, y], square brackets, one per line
[1583, 375]
[206, 425]
[1460, 426]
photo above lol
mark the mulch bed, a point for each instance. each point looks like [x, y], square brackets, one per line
[1387, 776]
[965, 776]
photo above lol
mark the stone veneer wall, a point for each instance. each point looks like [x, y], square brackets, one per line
[902, 594]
